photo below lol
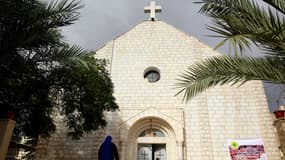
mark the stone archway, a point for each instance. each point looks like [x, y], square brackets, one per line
[135, 141]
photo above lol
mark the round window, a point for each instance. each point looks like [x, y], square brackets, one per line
[152, 76]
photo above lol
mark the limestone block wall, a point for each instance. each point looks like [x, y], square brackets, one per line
[151, 44]
[106, 52]
[228, 113]
[279, 124]
[62, 147]
[206, 122]
[211, 118]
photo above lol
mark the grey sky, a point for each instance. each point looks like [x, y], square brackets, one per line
[103, 20]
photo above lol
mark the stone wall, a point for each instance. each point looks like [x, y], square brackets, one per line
[62, 147]
[229, 113]
[280, 128]
[202, 126]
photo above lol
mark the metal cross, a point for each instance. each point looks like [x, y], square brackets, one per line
[152, 9]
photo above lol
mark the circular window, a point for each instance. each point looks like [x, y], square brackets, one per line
[152, 76]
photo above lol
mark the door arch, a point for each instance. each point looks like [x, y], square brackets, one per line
[138, 136]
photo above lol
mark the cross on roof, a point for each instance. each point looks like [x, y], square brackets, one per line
[152, 9]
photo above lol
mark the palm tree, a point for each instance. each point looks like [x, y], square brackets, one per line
[241, 23]
[39, 71]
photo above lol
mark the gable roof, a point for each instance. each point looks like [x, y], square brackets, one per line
[154, 22]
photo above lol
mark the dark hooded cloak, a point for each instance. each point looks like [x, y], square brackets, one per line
[108, 150]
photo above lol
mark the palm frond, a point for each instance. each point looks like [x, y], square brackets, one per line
[63, 12]
[66, 52]
[229, 70]
[277, 4]
[71, 55]
[242, 21]
[33, 24]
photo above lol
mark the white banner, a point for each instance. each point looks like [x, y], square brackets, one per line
[246, 149]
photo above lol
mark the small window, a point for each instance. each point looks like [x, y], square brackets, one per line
[152, 133]
[152, 76]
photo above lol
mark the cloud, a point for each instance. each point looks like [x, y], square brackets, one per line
[102, 20]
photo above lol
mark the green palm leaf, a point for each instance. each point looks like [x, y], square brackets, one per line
[30, 24]
[240, 22]
[37, 67]
[63, 12]
[229, 70]
[278, 4]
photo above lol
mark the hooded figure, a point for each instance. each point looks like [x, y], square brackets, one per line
[108, 150]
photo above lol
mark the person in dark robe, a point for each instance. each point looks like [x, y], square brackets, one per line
[108, 150]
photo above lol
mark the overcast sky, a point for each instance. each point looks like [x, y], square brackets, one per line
[103, 20]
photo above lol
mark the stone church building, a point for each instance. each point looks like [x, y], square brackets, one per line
[153, 123]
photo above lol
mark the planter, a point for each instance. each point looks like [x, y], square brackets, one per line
[8, 115]
[279, 113]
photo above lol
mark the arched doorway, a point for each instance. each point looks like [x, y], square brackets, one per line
[151, 138]
[156, 150]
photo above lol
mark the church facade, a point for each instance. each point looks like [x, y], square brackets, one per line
[153, 123]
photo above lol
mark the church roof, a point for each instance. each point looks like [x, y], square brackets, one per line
[151, 22]
[148, 26]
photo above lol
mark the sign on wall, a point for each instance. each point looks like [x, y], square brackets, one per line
[246, 149]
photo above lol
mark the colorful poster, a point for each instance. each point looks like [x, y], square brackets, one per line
[246, 149]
